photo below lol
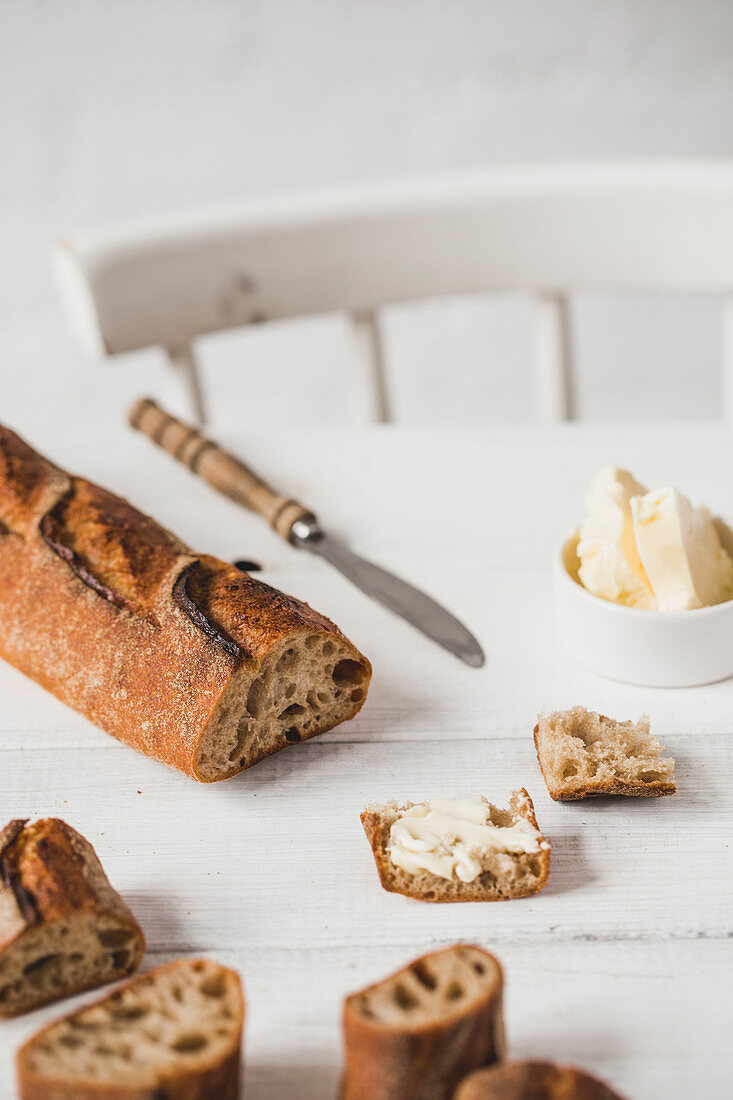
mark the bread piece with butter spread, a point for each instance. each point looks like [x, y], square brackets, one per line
[583, 754]
[418, 1032]
[459, 849]
[532, 1081]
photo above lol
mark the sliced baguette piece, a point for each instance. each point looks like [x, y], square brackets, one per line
[63, 928]
[417, 1033]
[172, 1034]
[582, 754]
[532, 1081]
[503, 874]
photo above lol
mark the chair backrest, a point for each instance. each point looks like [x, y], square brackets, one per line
[552, 231]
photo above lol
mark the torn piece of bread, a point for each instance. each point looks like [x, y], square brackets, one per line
[417, 1033]
[582, 754]
[458, 849]
[174, 1034]
[63, 928]
[532, 1081]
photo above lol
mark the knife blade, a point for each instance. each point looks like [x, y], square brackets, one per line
[299, 526]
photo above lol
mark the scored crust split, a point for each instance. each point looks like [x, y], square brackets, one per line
[417, 1033]
[181, 656]
[582, 754]
[172, 1034]
[504, 875]
[63, 928]
[532, 1081]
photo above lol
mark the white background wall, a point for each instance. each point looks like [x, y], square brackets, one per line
[109, 110]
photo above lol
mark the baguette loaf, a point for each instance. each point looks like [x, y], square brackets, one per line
[183, 657]
[62, 926]
[532, 1081]
[172, 1034]
[453, 860]
[419, 1032]
[582, 754]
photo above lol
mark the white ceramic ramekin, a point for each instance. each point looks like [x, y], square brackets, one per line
[651, 648]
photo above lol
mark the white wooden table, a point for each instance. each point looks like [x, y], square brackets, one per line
[623, 963]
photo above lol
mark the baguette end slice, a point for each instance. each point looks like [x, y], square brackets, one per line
[532, 1081]
[312, 681]
[419, 1031]
[583, 755]
[504, 877]
[179, 655]
[63, 928]
[173, 1034]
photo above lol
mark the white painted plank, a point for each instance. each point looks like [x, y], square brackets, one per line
[272, 869]
[290, 828]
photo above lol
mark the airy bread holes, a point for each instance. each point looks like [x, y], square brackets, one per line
[404, 998]
[292, 711]
[454, 991]
[256, 698]
[38, 965]
[114, 937]
[129, 1012]
[292, 736]
[424, 976]
[348, 672]
[286, 661]
[189, 1043]
[213, 985]
[71, 1041]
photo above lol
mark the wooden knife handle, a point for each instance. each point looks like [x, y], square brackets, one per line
[222, 470]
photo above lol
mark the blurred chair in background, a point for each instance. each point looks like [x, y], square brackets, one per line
[554, 232]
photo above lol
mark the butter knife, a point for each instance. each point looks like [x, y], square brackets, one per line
[300, 527]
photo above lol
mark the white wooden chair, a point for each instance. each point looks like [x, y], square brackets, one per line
[551, 231]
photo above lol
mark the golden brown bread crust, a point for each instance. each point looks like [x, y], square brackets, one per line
[421, 1060]
[220, 1080]
[532, 1081]
[121, 621]
[48, 872]
[432, 888]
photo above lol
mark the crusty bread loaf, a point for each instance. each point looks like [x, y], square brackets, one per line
[419, 1032]
[183, 657]
[532, 1081]
[62, 926]
[172, 1034]
[582, 754]
[503, 874]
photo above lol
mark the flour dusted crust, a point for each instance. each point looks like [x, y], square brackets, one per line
[181, 656]
[505, 875]
[63, 928]
[418, 1032]
[172, 1034]
[532, 1081]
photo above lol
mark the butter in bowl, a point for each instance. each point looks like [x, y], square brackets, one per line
[644, 586]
